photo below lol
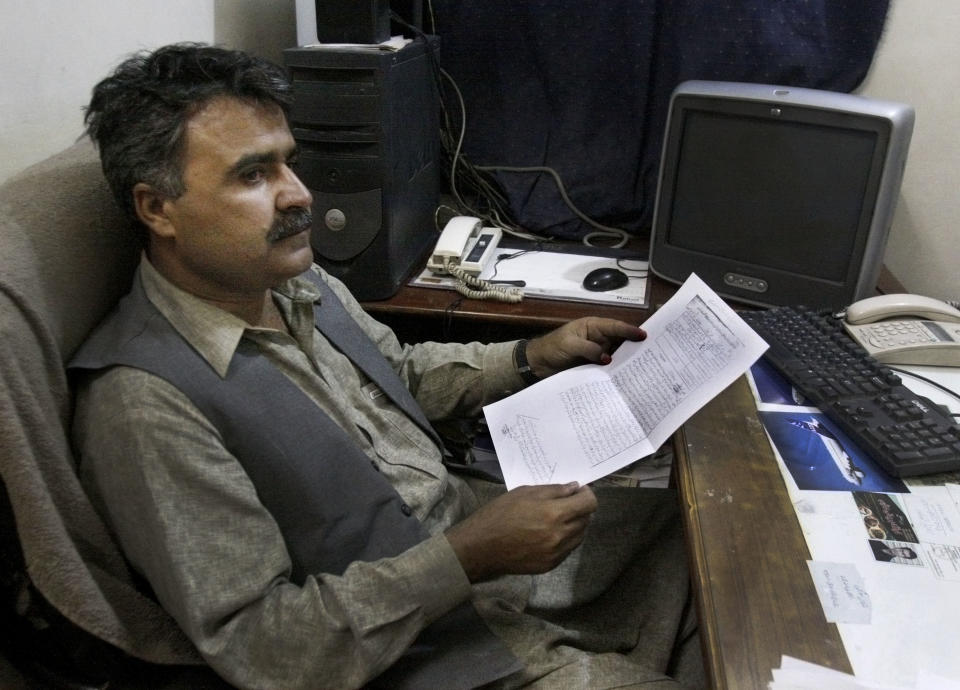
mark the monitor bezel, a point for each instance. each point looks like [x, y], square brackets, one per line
[765, 285]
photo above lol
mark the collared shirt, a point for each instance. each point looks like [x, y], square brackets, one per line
[189, 519]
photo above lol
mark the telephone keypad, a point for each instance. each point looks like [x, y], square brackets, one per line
[899, 333]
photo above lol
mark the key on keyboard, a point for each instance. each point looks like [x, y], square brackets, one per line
[903, 432]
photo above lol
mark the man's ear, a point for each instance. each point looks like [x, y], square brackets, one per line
[151, 209]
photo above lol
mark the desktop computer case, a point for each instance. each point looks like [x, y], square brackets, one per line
[367, 125]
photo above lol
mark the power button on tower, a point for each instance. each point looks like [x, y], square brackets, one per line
[335, 219]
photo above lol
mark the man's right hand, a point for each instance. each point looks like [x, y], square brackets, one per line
[527, 530]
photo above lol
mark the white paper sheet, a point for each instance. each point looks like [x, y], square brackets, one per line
[841, 591]
[584, 423]
[795, 674]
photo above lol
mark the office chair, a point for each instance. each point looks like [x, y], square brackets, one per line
[72, 614]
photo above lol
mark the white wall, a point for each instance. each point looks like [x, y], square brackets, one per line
[262, 27]
[52, 52]
[918, 62]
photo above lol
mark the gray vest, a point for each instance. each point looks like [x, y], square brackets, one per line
[333, 507]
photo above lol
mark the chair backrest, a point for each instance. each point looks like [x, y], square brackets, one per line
[66, 256]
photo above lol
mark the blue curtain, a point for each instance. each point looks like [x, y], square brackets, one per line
[583, 87]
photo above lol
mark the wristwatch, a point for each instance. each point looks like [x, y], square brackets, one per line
[523, 366]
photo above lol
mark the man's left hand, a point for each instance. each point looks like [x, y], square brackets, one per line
[590, 339]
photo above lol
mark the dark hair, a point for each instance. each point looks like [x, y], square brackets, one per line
[137, 115]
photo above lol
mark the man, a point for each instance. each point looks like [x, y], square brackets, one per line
[263, 449]
[894, 554]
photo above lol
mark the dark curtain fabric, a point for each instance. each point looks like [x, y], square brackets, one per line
[584, 87]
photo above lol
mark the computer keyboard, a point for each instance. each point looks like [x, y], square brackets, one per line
[906, 434]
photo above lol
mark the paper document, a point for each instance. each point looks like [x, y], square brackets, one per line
[584, 423]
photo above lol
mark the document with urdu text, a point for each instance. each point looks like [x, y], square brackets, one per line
[586, 422]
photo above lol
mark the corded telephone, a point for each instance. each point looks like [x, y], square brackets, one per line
[464, 248]
[464, 242]
[906, 329]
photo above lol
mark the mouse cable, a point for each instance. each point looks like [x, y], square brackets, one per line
[509, 257]
[639, 272]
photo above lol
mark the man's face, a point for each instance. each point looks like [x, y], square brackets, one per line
[242, 225]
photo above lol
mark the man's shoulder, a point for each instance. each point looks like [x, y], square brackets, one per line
[123, 395]
[119, 326]
[136, 334]
[126, 383]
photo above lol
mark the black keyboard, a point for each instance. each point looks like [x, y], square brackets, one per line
[906, 434]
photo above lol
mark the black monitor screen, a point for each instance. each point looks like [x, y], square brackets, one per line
[732, 203]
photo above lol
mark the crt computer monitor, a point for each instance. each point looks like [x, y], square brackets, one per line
[778, 195]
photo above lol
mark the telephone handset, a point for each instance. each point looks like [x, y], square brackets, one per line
[462, 251]
[466, 243]
[906, 329]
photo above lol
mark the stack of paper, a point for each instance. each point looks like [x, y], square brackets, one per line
[794, 674]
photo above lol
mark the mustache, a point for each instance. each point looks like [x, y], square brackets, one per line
[289, 223]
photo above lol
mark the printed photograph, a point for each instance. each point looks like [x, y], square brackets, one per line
[883, 517]
[820, 457]
[896, 552]
[770, 387]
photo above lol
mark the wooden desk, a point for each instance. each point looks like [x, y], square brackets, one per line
[755, 597]
[418, 313]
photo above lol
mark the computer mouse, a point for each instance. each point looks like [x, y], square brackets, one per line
[603, 279]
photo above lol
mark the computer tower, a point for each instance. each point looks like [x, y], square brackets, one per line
[367, 125]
